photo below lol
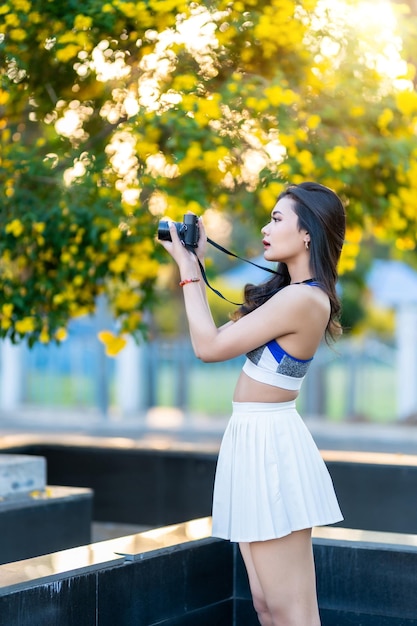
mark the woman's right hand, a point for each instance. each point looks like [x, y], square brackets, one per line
[184, 258]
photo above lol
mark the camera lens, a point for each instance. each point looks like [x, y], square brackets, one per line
[163, 231]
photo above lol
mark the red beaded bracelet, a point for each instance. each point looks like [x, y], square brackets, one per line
[189, 280]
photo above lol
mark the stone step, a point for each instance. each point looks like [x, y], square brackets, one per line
[20, 475]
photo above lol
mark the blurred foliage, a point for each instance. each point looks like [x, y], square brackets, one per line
[115, 113]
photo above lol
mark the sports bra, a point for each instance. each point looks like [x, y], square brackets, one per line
[272, 365]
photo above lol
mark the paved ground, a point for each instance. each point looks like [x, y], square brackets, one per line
[170, 427]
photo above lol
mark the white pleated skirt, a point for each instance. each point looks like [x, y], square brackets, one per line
[270, 479]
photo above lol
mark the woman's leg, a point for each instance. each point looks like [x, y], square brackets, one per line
[283, 581]
[258, 598]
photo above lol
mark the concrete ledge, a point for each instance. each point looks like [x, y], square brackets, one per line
[180, 576]
[56, 519]
[21, 474]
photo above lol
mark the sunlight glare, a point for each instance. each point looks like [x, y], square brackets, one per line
[378, 21]
[379, 43]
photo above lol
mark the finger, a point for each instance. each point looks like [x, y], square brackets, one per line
[201, 225]
[174, 233]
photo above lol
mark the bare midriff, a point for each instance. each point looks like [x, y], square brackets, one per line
[249, 390]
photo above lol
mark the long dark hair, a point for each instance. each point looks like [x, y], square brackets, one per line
[321, 213]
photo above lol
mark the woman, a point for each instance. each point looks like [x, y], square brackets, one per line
[272, 485]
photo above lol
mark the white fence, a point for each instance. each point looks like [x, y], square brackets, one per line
[354, 379]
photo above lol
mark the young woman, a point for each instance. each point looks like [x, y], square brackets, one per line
[272, 485]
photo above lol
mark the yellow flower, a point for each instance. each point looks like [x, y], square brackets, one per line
[39, 227]
[17, 34]
[348, 257]
[44, 335]
[342, 157]
[61, 334]
[22, 5]
[184, 82]
[268, 196]
[357, 111]
[313, 121]
[126, 301]
[407, 102]
[82, 22]
[114, 234]
[279, 96]
[78, 280]
[385, 119]
[4, 97]
[15, 227]
[128, 9]
[65, 257]
[288, 141]
[7, 310]
[405, 244]
[69, 52]
[119, 264]
[12, 20]
[26, 325]
[35, 17]
[132, 321]
[306, 161]
[58, 298]
[113, 344]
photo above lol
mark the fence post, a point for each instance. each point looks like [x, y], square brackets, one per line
[102, 321]
[406, 330]
[130, 379]
[181, 359]
[11, 379]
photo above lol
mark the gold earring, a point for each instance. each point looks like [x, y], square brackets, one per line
[306, 245]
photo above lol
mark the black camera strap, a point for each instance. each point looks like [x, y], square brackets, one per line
[226, 251]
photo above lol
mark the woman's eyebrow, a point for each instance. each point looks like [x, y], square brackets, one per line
[275, 211]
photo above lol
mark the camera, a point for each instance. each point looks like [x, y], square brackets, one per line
[187, 230]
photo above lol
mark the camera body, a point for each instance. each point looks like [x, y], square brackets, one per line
[187, 230]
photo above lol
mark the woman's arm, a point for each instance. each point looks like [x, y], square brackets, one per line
[285, 313]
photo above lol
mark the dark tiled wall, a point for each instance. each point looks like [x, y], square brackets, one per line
[377, 496]
[139, 486]
[162, 588]
[66, 602]
[189, 585]
[368, 579]
[30, 527]
[159, 487]
[203, 583]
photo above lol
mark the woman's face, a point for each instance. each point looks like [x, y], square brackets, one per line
[282, 238]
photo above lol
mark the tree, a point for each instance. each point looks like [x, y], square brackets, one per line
[114, 114]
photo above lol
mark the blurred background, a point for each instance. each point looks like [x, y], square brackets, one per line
[114, 116]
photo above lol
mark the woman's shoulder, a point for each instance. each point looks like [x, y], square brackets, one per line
[304, 300]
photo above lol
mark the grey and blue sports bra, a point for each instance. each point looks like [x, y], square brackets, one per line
[272, 365]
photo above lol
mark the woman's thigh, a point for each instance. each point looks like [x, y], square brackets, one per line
[282, 572]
